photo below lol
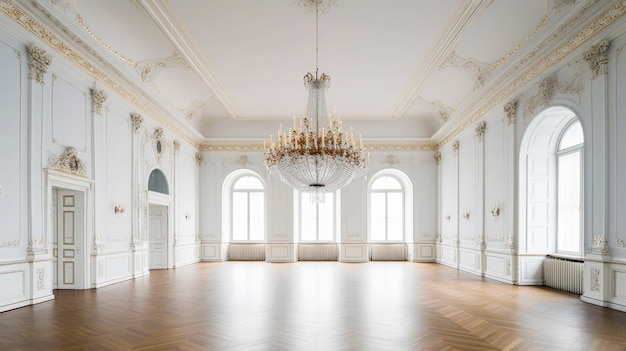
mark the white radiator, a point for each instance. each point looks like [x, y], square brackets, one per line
[388, 252]
[318, 252]
[246, 252]
[563, 274]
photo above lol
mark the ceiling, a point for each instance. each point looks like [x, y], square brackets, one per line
[222, 70]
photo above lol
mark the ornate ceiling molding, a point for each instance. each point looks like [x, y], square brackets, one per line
[149, 69]
[501, 92]
[126, 89]
[372, 147]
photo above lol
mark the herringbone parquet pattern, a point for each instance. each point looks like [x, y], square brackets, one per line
[313, 306]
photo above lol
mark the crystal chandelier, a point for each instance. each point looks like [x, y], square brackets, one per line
[316, 156]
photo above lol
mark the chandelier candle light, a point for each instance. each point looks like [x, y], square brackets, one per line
[316, 156]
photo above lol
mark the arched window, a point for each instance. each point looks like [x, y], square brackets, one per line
[551, 184]
[243, 207]
[390, 207]
[317, 221]
[157, 182]
[569, 190]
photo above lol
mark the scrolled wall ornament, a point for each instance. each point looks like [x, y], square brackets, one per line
[98, 97]
[38, 63]
[437, 157]
[620, 243]
[68, 162]
[598, 245]
[455, 147]
[159, 143]
[176, 144]
[480, 131]
[595, 279]
[509, 110]
[137, 120]
[597, 57]
[198, 159]
[36, 245]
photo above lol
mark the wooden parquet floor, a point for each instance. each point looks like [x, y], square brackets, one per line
[313, 306]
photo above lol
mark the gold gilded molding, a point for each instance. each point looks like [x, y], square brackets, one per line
[99, 40]
[580, 38]
[24, 19]
[542, 23]
[372, 147]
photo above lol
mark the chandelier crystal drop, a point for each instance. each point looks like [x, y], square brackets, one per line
[315, 155]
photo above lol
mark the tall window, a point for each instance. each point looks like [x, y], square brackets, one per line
[386, 214]
[317, 222]
[569, 190]
[243, 207]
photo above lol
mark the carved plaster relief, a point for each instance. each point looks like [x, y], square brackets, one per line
[159, 143]
[598, 245]
[597, 58]
[68, 162]
[509, 110]
[438, 108]
[137, 120]
[198, 158]
[455, 147]
[98, 97]
[480, 131]
[149, 69]
[38, 63]
[437, 157]
[36, 245]
[176, 144]
[595, 279]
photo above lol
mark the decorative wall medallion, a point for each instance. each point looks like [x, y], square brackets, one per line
[599, 246]
[620, 243]
[509, 110]
[41, 274]
[455, 147]
[9, 244]
[36, 245]
[176, 146]
[98, 97]
[390, 161]
[137, 120]
[68, 162]
[542, 96]
[159, 143]
[480, 131]
[597, 58]
[38, 63]
[198, 158]
[437, 157]
[243, 161]
[595, 279]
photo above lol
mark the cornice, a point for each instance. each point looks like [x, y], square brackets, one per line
[372, 147]
[84, 57]
[509, 84]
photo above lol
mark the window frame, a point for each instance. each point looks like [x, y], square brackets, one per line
[559, 153]
[336, 225]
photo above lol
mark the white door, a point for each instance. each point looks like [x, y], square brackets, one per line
[158, 237]
[69, 238]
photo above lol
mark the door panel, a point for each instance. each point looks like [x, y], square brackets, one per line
[158, 237]
[69, 238]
